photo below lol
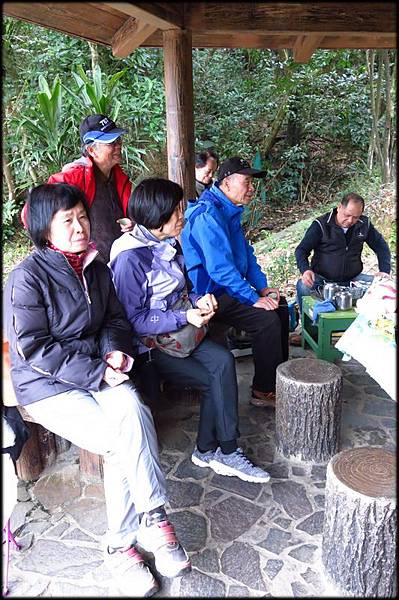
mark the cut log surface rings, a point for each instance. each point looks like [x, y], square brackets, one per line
[360, 523]
[308, 409]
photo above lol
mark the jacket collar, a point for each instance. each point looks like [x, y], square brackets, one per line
[333, 213]
[141, 237]
[58, 259]
[228, 207]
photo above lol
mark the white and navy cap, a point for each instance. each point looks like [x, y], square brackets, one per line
[99, 128]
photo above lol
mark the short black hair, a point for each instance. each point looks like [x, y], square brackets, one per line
[202, 157]
[44, 201]
[352, 197]
[153, 201]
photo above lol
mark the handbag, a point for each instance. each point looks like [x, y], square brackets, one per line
[183, 341]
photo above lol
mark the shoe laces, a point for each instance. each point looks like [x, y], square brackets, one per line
[243, 457]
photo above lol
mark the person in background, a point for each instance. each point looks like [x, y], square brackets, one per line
[99, 175]
[336, 240]
[220, 261]
[206, 164]
[70, 351]
[150, 281]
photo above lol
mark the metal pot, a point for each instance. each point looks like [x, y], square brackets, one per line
[329, 291]
[343, 300]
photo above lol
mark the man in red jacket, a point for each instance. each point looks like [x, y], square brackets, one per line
[99, 175]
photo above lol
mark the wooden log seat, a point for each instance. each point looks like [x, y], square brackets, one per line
[43, 446]
[308, 409]
[360, 523]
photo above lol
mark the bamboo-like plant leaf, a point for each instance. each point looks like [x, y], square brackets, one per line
[97, 81]
[93, 98]
[82, 74]
[29, 124]
[82, 89]
[46, 109]
[113, 80]
[43, 85]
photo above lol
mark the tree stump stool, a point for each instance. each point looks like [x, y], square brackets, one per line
[308, 409]
[360, 525]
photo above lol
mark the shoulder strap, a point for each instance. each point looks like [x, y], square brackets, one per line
[20, 429]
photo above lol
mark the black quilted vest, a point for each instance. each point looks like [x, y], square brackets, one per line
[338, 255]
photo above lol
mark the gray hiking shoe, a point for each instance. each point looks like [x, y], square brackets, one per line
[238, 465]
[130, 573]
[202, 459]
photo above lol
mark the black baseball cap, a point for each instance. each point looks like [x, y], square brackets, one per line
[99, 128]
[237, 165]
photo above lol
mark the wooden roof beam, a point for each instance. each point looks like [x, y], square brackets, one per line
[158, 14]
[304, 47]
[130, 36]
[291, 18]
[275, 41]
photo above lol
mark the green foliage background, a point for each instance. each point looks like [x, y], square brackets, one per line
[308, 124]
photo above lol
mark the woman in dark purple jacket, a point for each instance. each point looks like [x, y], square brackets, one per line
[70, 350]
[150, 280]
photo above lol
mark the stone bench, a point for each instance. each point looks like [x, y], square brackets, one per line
[308, 409]
[360, 523]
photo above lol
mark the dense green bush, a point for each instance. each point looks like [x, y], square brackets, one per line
[308, 124]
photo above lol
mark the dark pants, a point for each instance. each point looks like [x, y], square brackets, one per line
[210, 369]
[269, 330]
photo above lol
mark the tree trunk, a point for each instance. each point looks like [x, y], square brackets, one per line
[9, 179]
[382, 81]
[31, 171]
[276, 126]
[359, 547]
[308, 409]
[8, 174]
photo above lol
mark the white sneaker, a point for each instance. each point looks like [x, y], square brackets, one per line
[202, 459]
[238, 465]
[130, 573]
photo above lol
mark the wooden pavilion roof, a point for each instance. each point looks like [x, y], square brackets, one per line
[302, 27]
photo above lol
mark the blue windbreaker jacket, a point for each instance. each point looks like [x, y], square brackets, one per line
[218, 258]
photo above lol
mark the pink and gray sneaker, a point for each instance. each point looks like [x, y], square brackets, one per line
[157, 535]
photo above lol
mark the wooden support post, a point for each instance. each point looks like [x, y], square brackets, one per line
[360, 523]
[308, 409]
[178, 69]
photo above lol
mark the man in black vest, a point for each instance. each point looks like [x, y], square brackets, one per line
[337, 239]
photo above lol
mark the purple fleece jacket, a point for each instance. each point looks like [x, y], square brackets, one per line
[149, 277]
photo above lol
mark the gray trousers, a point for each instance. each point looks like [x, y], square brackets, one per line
[115, 423]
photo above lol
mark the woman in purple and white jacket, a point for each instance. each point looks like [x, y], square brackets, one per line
[149, 276]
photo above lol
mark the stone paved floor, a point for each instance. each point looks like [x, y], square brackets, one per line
[244, 539]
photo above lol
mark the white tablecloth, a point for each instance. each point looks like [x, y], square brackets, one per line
[374, 350]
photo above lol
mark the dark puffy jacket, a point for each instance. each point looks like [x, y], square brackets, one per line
[58, 331]
[336, 255]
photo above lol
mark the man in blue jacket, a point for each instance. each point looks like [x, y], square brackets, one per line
[220, 261]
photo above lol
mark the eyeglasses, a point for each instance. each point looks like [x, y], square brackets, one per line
[117, 142]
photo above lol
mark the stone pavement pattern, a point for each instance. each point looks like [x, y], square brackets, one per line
[244, 539]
